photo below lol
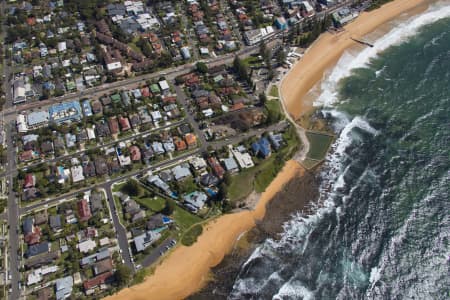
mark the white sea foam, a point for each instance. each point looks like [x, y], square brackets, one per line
[350, 61]
[294, 290]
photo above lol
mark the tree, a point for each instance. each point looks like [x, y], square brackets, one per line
[262, 98]
[281, 57]
[168, 208]
[132, 188]
[263, 51]
[241, 69]
[202, 67]
[123, 274]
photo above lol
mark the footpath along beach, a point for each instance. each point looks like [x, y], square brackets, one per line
[186, 269]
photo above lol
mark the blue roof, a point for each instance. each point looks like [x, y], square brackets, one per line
[37, 117]
[87, 109]
[65, 111]
[262, 146]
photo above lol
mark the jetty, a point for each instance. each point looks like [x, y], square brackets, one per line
[362, 42]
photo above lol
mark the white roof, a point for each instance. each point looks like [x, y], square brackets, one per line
[62, 46]
[163, 85]
[156, 115]
[113, 66]
[77, 173]
[87, 246]
[90, 133]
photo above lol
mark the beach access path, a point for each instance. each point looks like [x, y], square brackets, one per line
[186, 270]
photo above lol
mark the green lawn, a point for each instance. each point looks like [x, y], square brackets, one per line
[252, 61]
[155, 204]
[274, 91]
[273, 110]
[319, 144]
[183, 218]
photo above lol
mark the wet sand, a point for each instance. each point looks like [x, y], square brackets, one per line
[187, 269]
[326, 51]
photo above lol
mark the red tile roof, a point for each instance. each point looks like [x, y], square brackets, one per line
[217, 168]
[135, 153]
[124, 123]
[96, 281]
[29, 181]
[84, 210]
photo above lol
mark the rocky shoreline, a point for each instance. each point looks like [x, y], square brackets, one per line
[295, 196]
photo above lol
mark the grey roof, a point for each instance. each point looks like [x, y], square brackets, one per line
[230, 164]
[55, 221]
[180, 172]
[144, 240]
[37, 249]
[195, 200]
[27, 225]
[64, 287]
[101, 254]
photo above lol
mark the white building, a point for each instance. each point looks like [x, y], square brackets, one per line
[77, 173]
[243, 159]
[62, 46]
[114, 66]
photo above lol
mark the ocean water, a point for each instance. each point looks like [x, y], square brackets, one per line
[381, 229]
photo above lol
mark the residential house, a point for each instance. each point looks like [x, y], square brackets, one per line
[191, 140]
[97, 280]
[216, 167]
[113, 125]
[55, 223]
[230, 165]
[41, 217]
[63, 287]
[87, 246]
[103, 266]
[144, 240]
[209, 180]
[101, 168]
[124, 123]
[181, 172]
[29, 181]
[77, 173]
[135, 153]
[195, 201]
[89, 169]
[96, 202]
[84, 210]
[261, 148]
[37, 249]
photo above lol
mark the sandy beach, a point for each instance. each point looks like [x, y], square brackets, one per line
[186, 270]
[326, 51]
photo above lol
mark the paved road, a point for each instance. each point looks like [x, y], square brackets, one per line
[13, 219]
[182, 99]
[120, 230]
[56, 200]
